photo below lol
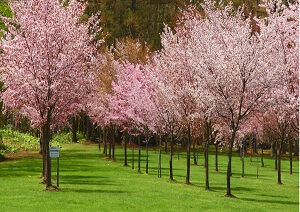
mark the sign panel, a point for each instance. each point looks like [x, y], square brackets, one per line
[54, 152]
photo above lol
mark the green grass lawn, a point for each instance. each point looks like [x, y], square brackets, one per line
[89, 182]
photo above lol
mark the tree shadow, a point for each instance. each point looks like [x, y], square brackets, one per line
[283, 202]
[94, 191]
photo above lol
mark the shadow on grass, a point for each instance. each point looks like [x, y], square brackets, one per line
[94, 191]
[219, 188]
[284, 202]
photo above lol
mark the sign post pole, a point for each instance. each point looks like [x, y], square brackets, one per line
[54, 153]
[57, 170]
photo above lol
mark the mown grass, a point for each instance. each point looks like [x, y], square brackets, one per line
[90, 182]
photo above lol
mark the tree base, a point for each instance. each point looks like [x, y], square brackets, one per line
[230, 196]
[216, 171]
[51, 188]
[126, 165]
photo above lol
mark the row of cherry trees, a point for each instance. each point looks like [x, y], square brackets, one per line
[220, 75]
[218, 69]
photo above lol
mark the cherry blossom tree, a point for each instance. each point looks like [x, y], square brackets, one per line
[230, 69]
[280, 30]
[45, 60]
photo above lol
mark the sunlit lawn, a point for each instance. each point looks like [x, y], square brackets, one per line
[89, 182]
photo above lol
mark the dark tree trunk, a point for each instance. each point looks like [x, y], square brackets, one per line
[243, 160]
[251, 152]
[206, 168]
[194, 152]
[105, 141]
[228, 190]
[74, 130]
[262, 156]
[291, 156]
[132, 154]
[276, 156]
[206, 139]
[139, 156]
[166, 145]
[279, 163]
[99, 140]
[284, 147]
[178, 150]
[188, 156]
[125, 149]
[113, 135]
[273, 149]
[171, 157]
[88, 129]
[110, 143]
[159, 158]
[216, 158]
[46, 135]
[147, 156]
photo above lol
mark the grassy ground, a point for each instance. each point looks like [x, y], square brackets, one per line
[88, 181]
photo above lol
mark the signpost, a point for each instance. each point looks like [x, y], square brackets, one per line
[54, 153]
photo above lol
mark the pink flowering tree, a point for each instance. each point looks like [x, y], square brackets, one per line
[281, 34]
[232, 75]
[45, 60]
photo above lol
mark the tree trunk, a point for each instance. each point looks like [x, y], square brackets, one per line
[171, 157]
[279, 162]
[276, 155]
[46, 134]
[110, 143]
[113, 143]
[216, 158]
[243, 161]
[228, 190]
[291, 156]
[125, 149]
[178, 150]
[105, 141]
[132, 154]
[206, 139]
[88, 129]
[99, 140]
[194, 152]
[139, 157]
[159, 158]
[273, 149]
[251, 151]
[74, 130]
[147, 156]
[262, 156]
[166, 146]
[188, 156]
[206, 168]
